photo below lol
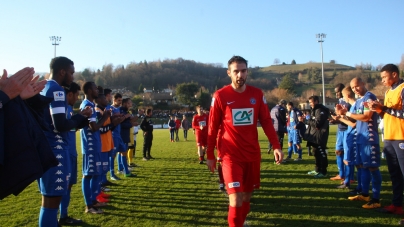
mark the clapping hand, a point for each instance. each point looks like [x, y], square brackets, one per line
[340, 109]
[33, 88]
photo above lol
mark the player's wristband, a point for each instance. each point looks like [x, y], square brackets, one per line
[348, 114]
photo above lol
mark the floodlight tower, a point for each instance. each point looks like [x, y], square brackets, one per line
[321, 36]
[55, 41]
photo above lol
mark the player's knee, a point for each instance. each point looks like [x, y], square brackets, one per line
[236, 199]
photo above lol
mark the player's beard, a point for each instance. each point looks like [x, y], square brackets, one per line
[240, 83]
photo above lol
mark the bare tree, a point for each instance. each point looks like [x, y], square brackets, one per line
[379, 90]
[401, 65]
[277, 61]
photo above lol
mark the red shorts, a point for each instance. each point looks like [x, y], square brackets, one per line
[241, 176]
[201, 139]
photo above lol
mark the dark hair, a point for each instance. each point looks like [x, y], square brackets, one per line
[340, 87]
[290, 104]
[314, 98]
[148, 111]
[237, 59]
[391, 68]
[87, 85]
[125, 100]
[117, 96]
[107, 91]
[60, 63]
[74, 87]
[100, 90]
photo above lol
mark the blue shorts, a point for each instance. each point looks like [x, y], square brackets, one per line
[73, 172]
[339, 145]
[349, 153]
[368, 155]
[119, 145]
[55, 181]
[291, 135]
[92, 164]
[104, 158]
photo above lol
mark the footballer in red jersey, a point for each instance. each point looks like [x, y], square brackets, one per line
[200, 124]
[235, 109]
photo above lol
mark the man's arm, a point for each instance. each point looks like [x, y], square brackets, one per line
[215, 119]
[381, 109]
[143, 125]
[94, 125]
[347, 121]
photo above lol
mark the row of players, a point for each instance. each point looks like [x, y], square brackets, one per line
[105, 134]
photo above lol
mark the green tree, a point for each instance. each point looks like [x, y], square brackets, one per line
[185, 92]
[316, 75]
[205, 100]
[99, 81]
[141, 87]
[87, 75]
[287, 83]
[293, 62]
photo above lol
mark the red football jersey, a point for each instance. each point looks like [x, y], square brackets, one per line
[198, 121]
[238, 114]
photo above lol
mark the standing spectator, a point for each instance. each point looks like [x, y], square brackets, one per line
[107, 144]
[126, 126]
[177, 128]
[185, 126]
[367, 143]
[54, 182]
[200, 124]
[278, 115]
[171, 127]
[91, 150]
[317, 135]
[147, 127]
[293, 135]
[300, 130]
[237, 108]
[342, 127]
[349, 143]
[393, 120]
[72, 95]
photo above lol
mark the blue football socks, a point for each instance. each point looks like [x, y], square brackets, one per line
[376, 183]
[86, 188]
[48, 217]
[64, 204]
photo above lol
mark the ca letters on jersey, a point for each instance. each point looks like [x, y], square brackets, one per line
[243, 116]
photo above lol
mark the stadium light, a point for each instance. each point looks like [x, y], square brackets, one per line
[322, 36]
[55, 41]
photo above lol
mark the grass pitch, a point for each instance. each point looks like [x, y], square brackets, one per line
[174, 190]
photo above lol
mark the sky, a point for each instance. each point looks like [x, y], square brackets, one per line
[95, 33]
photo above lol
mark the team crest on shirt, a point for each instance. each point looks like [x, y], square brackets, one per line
[401, 146]
[59, 96]
[243, 116]
[253, 101]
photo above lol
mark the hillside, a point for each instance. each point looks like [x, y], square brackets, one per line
[170, 72]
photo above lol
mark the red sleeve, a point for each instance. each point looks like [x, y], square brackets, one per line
[194, 123]
[267, 124]
[215, 119]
